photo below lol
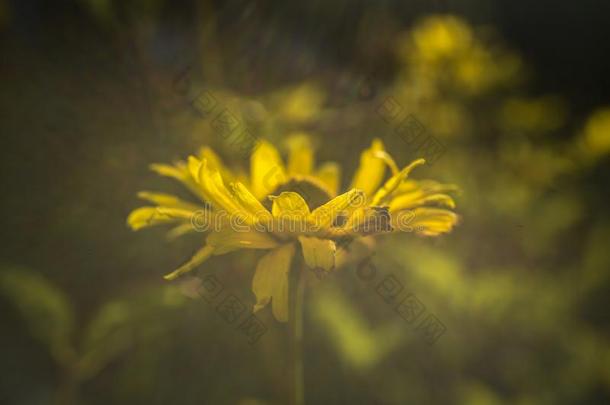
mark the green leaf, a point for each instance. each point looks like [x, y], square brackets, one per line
[121, 323]
[44, 307]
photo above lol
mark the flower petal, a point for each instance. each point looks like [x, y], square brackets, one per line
[369, 221]
[290, 215]
[329, 173]
[413, 200]
[394, 182]
[300, 158]
[318, 253]
[214, 189]
[289, 205]
[176, 213]
[148, 216]
[168, 200]
[267, 169]
[426, 221]
[225, 241]
[250, 203]
[179, 172]
[180, 230]
[228, 239]
[270, 282]
[370, 173]
[215, 163]
[324, 216]
[412, 194]
[428, 186]
[193, 165]
[200, 256]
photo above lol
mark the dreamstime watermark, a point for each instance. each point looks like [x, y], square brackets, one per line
[230, 308]
[405, 304]
[411, 131]
[297, 222]
[222, 120]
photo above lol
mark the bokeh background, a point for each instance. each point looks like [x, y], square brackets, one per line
[93, 91]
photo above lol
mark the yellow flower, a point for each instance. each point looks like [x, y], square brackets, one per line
[595, 140]
[266, 213]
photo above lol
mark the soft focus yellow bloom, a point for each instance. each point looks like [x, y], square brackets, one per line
[300, 104]
[537, 115]
[444, 50]
[596, 136]
[265, 215]
[442, 36]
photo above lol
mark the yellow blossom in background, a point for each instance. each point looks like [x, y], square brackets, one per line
[537, 115]
[299, 104]
[440, 37]
[271, 210]
[443, 49]
[595, 140]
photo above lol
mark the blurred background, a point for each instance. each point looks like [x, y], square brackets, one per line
[515, 92]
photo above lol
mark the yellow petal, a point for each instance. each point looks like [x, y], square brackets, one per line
[267, 170]
[369, 221]
[428, 186]
[179, 172]
[330, 174]
[250, 203]
[175, 213]
[394, 182]
[318, 253]
[168, 200]
[425, 221]
[412, 194]
[324, 216]
[194, 166]
[413, 200]
[215, 163]
[215, 191]
[289, 205]
[180, 230]
[370, 173]
[229, 239]
[200, 256]
[147, 216]
[387, 159]
[290, 215]
[300, 158]
[271, 282]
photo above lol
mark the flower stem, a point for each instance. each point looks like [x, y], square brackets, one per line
[296, 335]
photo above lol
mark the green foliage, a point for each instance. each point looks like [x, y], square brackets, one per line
[117, 327]
[120, 324]
[46, 310]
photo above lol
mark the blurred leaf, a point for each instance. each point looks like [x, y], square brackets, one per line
[45, 309]
[596, 260]
[359, 344]
[120, 323]
[477, 394]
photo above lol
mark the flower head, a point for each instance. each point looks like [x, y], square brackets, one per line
[286, 208]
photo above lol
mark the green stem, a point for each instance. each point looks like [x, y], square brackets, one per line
[296, 335]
